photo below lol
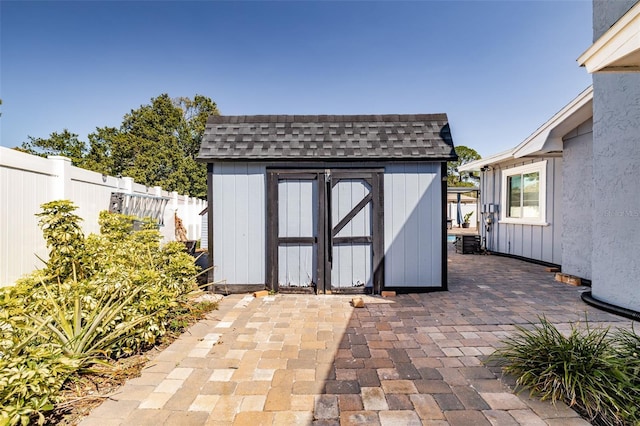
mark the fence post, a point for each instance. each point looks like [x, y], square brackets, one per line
[128, 185]
[62, 183]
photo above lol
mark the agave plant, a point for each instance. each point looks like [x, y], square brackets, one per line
[86, 335]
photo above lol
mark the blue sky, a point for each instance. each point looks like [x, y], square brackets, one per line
[498, 69]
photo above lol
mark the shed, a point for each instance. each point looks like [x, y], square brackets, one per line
[327, 203]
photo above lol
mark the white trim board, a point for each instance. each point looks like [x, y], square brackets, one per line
[618, 49]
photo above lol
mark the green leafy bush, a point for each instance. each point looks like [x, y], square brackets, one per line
[100, 297]
[30, 382]
[63, 234]
[592, 371]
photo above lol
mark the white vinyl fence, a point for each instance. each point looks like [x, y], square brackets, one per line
[27, 181]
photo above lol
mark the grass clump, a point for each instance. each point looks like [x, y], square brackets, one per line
[593, 371]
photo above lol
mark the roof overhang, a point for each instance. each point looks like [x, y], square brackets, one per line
[474, 166]
[548, 137]
[618, 49]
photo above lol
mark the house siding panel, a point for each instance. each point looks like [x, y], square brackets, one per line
[413, 225]
[239, 223]
[535, 242]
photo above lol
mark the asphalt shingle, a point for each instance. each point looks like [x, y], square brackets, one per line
[327, 137]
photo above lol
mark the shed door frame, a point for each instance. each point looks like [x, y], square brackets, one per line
[326, 178]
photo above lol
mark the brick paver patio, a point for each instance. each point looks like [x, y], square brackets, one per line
[414, 359]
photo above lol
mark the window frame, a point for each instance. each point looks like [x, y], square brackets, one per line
[541, 168]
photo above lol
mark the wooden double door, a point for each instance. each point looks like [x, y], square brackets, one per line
[325, 230]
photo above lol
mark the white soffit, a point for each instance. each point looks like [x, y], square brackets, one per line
[548, 137]
[474, 166]
[618, 49]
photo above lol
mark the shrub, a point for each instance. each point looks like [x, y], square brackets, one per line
[584, 369]
[30, 381]
[100, 297]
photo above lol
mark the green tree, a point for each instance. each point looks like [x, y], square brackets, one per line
[195, 113]
[156, 145]
[100, 156]
[454, 176]
[65, 143]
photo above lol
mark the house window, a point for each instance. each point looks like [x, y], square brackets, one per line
[524, 194]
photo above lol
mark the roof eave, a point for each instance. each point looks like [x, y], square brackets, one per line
[319, 160]
[548, 137]
[475, 166]
[618, 49]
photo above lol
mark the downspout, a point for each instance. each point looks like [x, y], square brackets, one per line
[588, 298]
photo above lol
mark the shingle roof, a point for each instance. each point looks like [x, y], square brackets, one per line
[327, 137]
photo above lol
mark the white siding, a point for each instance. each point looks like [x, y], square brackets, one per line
[413, 225]
[96, 192]
[28, 181]
[535, 242]
[239, 223]
[204, 239]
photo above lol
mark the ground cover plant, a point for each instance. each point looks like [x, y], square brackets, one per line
[98, 299]
[594, 370]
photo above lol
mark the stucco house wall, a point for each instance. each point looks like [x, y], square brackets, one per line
[577, 201]
[616, 154]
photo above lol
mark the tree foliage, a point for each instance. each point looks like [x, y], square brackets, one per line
[454, 176]
[156, 145]
[65, 143]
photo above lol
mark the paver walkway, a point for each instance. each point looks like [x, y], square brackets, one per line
[410, 360]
